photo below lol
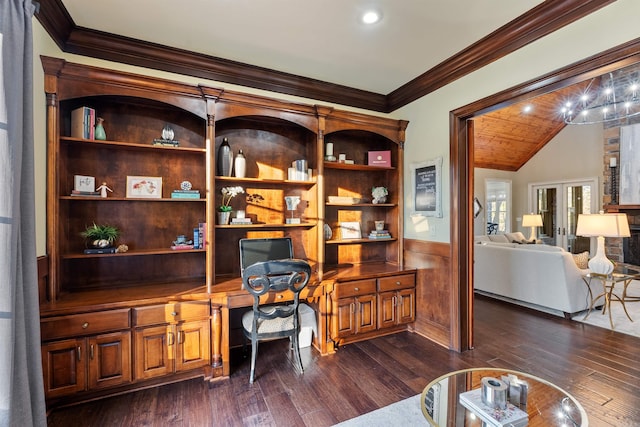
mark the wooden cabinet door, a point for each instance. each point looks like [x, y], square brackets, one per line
[365, 313]
[344, 323]
[109, 359]
[63, 363]
[192, 345]
[154, 351]
[387, 309]
[406, 305]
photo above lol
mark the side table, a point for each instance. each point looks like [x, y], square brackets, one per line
[624, 276]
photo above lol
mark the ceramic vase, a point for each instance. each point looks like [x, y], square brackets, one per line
[99, 131]
[223, 217]
[240, 165]
[225, 158]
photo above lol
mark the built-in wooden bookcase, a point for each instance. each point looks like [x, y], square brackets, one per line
[133, 117]
[272, 135]
[351, 138]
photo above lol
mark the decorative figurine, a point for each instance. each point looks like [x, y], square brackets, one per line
[103, 190]
[292, 205]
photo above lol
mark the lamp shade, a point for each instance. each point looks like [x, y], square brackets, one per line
[532, 220]
[606, 225]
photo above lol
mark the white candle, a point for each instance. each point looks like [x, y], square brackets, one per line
[612, 162]
[329, 149]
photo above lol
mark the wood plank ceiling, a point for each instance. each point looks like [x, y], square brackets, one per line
[508, 138]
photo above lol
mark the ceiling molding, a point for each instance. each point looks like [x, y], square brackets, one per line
[540, 21]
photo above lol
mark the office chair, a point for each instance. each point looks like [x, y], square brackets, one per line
[271, 321]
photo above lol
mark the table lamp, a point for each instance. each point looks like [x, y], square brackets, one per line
[532, 220]
[602, 225]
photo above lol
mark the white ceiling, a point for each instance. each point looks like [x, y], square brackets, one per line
[321, 39]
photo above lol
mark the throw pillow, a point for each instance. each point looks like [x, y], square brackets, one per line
[500, 238]
[516, 237]
[582, 259]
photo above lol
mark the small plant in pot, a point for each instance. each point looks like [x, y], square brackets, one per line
[100, 236]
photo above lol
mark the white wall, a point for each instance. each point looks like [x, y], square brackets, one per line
[577, 152]
[428, 131]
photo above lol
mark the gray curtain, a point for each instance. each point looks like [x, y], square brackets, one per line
[21, 384]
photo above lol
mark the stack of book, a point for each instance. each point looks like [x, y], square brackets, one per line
[185, 194]
[379, 234]
[241, 221]
[166, 142]
[510, 416]
[83, 121]
[199, 236]
[85, 193]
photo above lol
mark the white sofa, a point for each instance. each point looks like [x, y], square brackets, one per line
[535, 274]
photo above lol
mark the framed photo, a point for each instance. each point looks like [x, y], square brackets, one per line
[427, 187]
[144, 187]
[350, 230]
[84, 183]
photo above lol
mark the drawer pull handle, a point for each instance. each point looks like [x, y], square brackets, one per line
[174, 313]
[79, 354]
[356, 288]
[91, 352]
[280, 296]
[170, 338]
[85, 325]
[398, 282]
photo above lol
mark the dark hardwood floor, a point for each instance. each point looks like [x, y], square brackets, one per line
[600, 368]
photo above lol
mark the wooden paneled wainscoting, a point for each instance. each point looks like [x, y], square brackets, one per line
[433, 288]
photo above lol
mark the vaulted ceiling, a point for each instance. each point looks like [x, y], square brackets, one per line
[319, 50]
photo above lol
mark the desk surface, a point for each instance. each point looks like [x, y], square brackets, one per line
[441, 406]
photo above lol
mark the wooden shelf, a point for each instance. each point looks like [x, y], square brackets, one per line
[358, 241]
[344, 166]
[249, 226]
[161, 251]
[363, 205]
[131, 145]
[128, 199]
[264, 181]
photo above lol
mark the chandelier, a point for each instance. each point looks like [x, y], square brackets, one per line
[615, 98]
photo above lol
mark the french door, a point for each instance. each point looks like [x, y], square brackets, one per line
[560, 203]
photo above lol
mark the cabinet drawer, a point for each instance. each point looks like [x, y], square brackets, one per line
[84, 324]
[170, 313]
[355, 288]
[396, 282]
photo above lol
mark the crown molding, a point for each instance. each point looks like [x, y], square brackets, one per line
[538, 22]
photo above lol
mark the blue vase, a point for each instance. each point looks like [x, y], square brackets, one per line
[99, 132]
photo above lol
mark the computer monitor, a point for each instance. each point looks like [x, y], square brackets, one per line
[264, 249]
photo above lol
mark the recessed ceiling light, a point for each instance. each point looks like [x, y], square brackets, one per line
[371, 17]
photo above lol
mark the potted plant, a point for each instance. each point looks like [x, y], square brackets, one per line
[101, 236]
[224, 209]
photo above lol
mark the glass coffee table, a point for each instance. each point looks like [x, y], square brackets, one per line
[546, 404]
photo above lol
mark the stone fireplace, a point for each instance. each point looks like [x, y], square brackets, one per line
[619, 249]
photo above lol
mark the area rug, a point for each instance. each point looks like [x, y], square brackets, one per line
[407, 412]
[620, 321]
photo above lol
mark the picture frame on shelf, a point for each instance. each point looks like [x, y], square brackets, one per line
[84, 183]
[350, 230]
[144, 187]
[427, 187]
